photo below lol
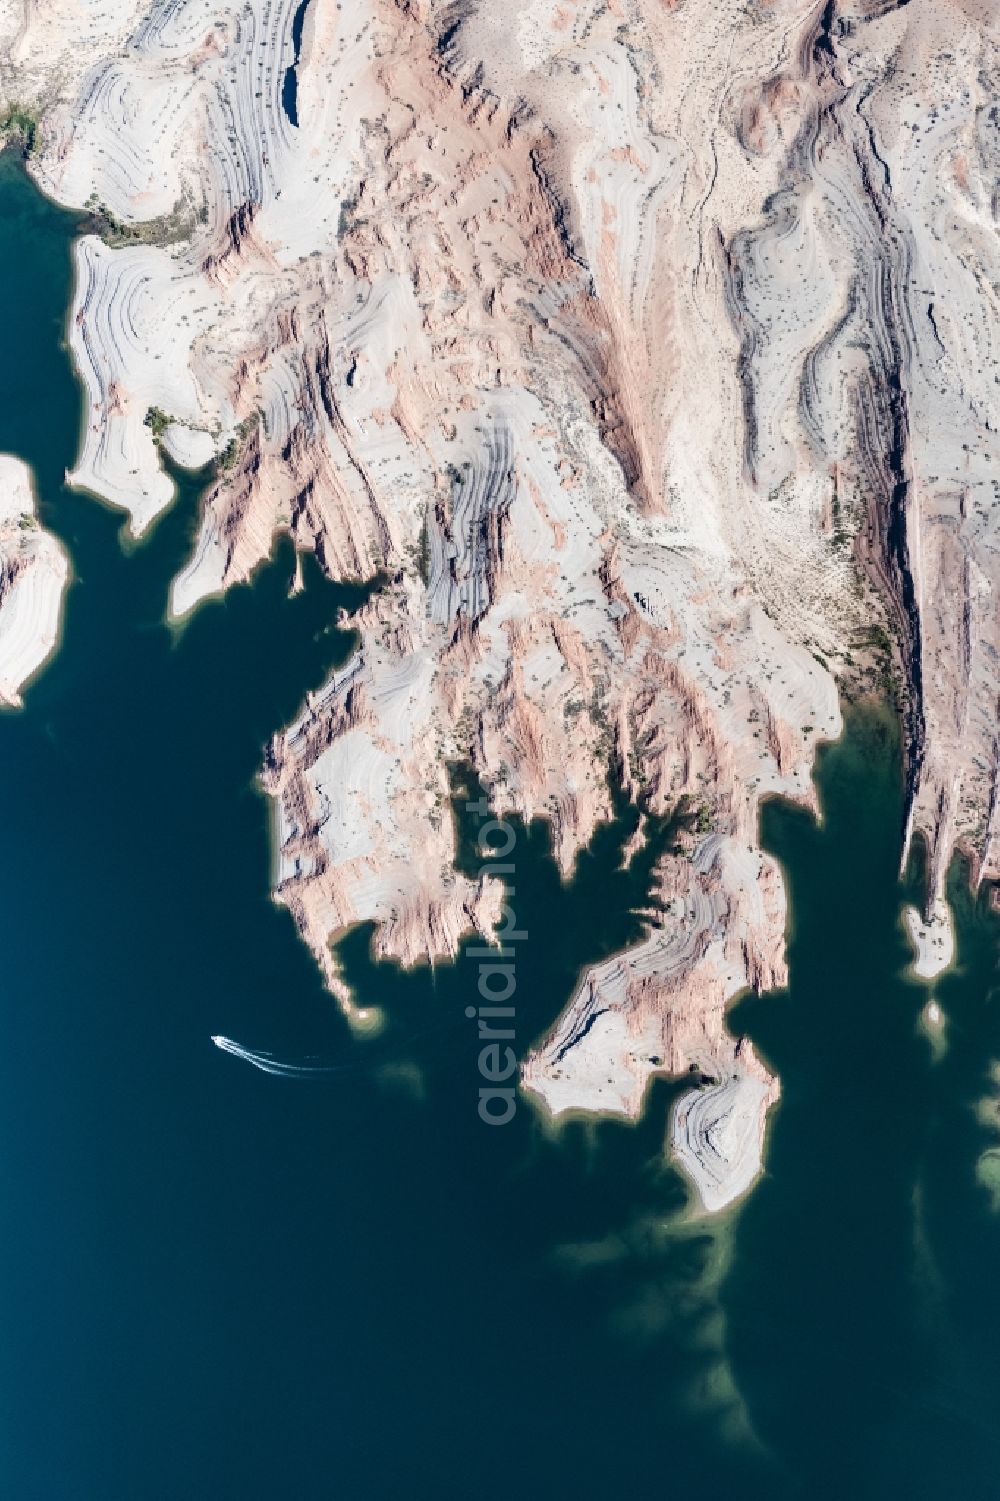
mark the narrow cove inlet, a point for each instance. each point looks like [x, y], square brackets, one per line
[301, 1262]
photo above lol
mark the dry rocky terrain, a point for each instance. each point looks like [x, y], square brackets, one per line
[646, 349]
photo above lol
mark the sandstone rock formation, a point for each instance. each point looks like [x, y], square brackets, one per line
[647, 349]
[33, 573]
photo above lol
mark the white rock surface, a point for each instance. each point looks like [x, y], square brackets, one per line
[191, 447]
[33, 574]
[933, 938]
[717, 1136]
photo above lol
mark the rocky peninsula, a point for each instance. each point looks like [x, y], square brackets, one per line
[33, 573]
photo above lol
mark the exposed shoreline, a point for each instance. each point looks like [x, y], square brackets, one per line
[34, 573]
[932, 936]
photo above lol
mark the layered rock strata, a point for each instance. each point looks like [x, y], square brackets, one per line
[647, 350]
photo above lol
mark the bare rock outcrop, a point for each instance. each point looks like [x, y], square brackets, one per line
[33, 574]
[645, 349]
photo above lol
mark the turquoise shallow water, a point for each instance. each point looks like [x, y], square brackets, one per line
[217, 1283]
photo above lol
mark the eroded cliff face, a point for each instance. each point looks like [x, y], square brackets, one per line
[645, 348]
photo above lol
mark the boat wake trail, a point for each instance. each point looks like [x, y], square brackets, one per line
[269, 1064]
